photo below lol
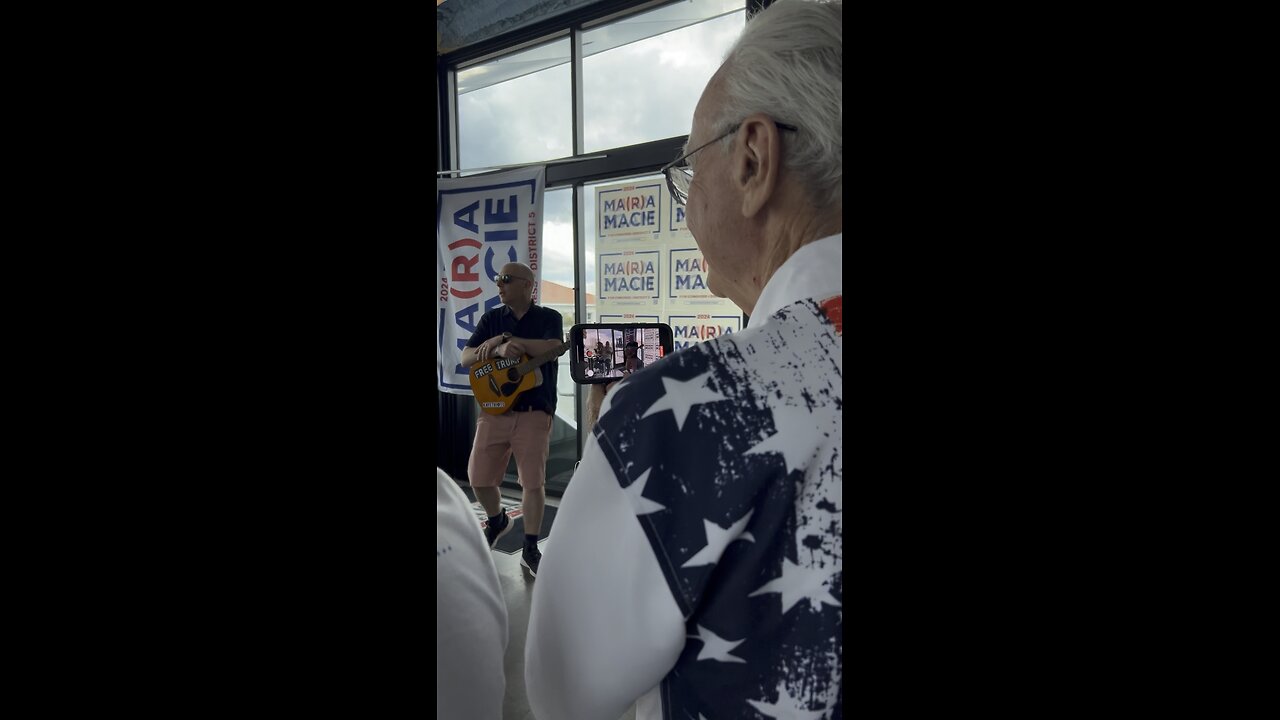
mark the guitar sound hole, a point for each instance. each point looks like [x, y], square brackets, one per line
[512, 375]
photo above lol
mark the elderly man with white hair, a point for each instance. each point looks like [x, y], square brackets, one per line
[697, 564]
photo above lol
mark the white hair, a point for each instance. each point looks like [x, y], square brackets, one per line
[787, 64]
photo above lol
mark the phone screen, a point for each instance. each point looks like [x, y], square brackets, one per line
[605, 353]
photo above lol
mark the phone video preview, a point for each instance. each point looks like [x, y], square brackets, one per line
[618, 353]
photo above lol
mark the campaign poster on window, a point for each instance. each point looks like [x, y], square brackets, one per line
[675, 216]
[654, 276]
[629, 211]
[690, 328]
[688, 274]
[629, 275]
[629, 318]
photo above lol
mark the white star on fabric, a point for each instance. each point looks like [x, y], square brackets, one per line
[635, 493]
[715, 647]
[787, 707]
[682, 395]
[800, 583]
[718, 539]
[797, 448]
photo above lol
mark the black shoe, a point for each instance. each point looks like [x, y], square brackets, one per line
[493, 532]
[530, 559]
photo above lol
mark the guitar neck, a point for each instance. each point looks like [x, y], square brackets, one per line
[531, 363]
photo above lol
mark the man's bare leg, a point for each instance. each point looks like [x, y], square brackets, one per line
[533, 503]
[491, 499]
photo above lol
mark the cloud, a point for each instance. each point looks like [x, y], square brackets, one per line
[646, 90]
[517, 121]
[642, 91]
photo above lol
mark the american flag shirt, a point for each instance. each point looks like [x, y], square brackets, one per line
[696, 563]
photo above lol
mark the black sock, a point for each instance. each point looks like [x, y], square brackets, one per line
[530, 541]
[496, 519]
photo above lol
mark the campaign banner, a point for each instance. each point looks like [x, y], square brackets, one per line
[629, 211]
[688, 274]
[689, 329]
[482, 223]
[628, 275]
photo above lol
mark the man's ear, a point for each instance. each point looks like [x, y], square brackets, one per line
[757, 162]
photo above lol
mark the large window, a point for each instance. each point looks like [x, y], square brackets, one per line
[558, 286]
[516, 109]
[643, 75]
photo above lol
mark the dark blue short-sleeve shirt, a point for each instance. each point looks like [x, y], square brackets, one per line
[540, 323]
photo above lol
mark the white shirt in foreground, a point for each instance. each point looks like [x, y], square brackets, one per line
[471, 615]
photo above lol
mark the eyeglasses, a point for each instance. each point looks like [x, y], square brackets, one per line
[679, 177]
[506, 279]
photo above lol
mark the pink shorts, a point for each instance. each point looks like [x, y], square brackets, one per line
[527, 434]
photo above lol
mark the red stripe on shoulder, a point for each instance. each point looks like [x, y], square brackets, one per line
[833, 308]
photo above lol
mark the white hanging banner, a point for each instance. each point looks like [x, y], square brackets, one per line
[482, 223]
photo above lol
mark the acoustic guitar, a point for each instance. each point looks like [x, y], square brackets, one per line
[497, 382]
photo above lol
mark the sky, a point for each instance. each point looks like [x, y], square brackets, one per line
[643, 91]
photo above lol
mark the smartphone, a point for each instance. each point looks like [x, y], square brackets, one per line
[603, 353]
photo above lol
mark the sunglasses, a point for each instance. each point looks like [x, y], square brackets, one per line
[506, 279]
